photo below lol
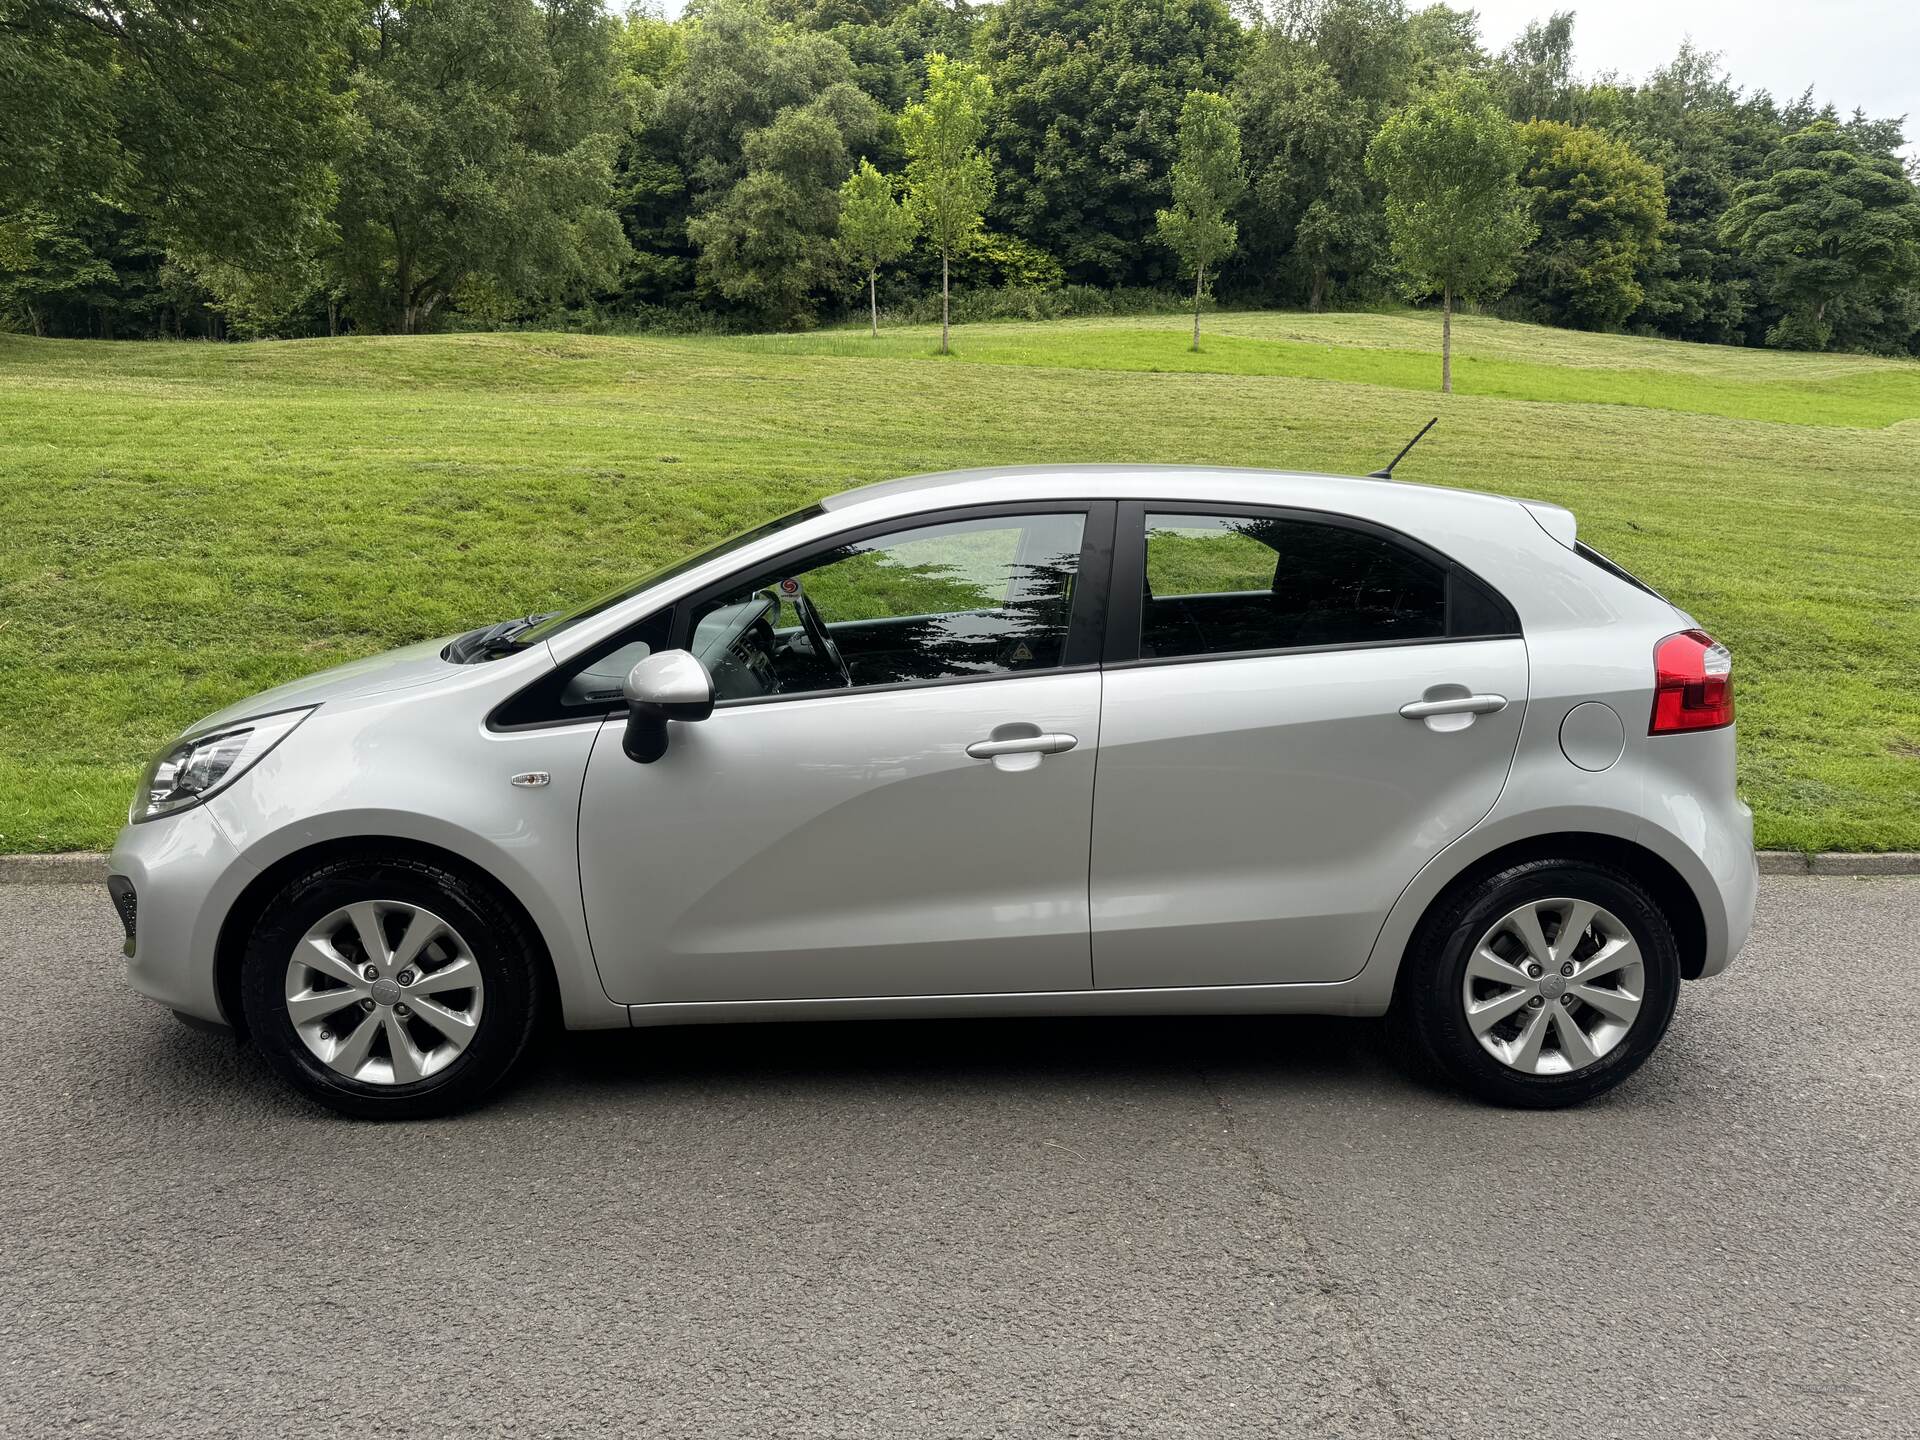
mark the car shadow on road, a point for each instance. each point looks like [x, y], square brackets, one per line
[1307, 1051]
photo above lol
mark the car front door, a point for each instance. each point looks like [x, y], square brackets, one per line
[1264, 791]
[896, 806]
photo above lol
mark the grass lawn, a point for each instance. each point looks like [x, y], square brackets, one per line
[183, 524]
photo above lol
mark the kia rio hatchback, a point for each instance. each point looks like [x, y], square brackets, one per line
[1064, 740]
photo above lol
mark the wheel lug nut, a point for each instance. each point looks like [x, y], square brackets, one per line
[1535, 1003]
[1566, 1000]
[405, 977]
[401, 1010]
[371, 972]
[1567, 968]
[1533, 970]
[366, 1004]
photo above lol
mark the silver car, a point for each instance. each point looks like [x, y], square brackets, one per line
[1082, 740]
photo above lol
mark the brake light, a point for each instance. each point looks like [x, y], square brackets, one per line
[1692, 684]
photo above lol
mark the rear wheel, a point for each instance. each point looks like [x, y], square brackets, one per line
[1542, 985]
[390, 988]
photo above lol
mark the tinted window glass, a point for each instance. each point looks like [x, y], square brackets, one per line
[1219, 584]
[969, 597]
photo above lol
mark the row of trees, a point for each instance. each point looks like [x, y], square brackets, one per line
[303, 166]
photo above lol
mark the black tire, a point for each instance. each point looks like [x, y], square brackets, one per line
[1428, 1020]
[509, 957]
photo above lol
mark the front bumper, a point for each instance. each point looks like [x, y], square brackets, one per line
[183, 875]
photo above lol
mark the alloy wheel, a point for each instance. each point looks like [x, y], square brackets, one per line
[384, 992]
[1553, 986]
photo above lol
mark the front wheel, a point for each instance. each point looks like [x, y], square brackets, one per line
[390, 989]
[1542, 985]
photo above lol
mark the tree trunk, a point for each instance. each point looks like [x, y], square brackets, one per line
[1199, 279]
[333, 317]
[39, 322]
[1319, 290]
[945, 322]
[1446, 342]
[873, 303]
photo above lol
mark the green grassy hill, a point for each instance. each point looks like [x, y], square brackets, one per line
[184, 524]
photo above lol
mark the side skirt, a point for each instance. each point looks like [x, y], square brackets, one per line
[1350, 997]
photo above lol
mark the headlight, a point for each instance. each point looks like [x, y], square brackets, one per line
[190, 770]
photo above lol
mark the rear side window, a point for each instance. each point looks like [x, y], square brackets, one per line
[1226, 584]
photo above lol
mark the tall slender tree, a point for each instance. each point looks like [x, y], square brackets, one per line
[1207, 181]
[1457, 219]
[949, 178]
[875, 228]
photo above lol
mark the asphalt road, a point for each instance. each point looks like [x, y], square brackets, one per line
[1037, 1228]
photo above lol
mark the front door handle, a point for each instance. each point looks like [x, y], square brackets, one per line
[1455, 705]
[1054, 743]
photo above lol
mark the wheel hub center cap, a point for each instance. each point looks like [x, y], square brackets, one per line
[1551, 986]
[386, 992]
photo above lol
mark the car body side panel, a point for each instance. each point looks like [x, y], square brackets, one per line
[845, 844]
[446, 783]
[1256, 816]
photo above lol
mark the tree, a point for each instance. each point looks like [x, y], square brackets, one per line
[1454, 209]
[1088, 95]
[484, 159]
[214, 124]
[949, 178]
[875, 228]
[1207, 181]
[1309, 215]
[1600, 209]
[770, 242]
[1826, 223]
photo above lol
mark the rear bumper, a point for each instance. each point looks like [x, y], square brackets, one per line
[1735, 871]
[182, 874]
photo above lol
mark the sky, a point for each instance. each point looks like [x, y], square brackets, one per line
[1862, 53]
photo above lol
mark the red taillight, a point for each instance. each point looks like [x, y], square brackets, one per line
[1692, 684]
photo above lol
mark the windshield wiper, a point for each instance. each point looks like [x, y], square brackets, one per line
[490, 642]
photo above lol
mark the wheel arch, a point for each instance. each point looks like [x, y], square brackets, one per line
[1670, 890]
[237, 927]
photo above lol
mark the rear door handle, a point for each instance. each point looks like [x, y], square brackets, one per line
[1455, 705]
[1050, 744]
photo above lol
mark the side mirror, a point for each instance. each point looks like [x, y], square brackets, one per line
[672, 685]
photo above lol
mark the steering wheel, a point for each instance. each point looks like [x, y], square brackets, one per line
[818, 637]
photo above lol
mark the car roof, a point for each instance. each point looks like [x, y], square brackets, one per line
[1212, 483]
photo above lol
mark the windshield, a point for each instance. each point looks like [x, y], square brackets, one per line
[565, 619]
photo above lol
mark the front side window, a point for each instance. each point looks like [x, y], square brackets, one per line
[935, 602]
[1221, 584]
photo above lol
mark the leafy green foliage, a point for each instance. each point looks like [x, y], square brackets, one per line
[875, 227]
[949, 178]
[1448, 161]
[214, 121]
[1599, 209]
[1207, 182]
[1089, 97]
[1454, 211]
[483, 158]
[770, 242]
[1826, 223]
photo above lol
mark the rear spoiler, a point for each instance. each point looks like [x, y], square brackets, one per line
[1556, 520]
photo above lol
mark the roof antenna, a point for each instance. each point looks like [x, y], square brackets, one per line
[1387, 472]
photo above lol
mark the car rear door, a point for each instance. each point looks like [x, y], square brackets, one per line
[1298, 712]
